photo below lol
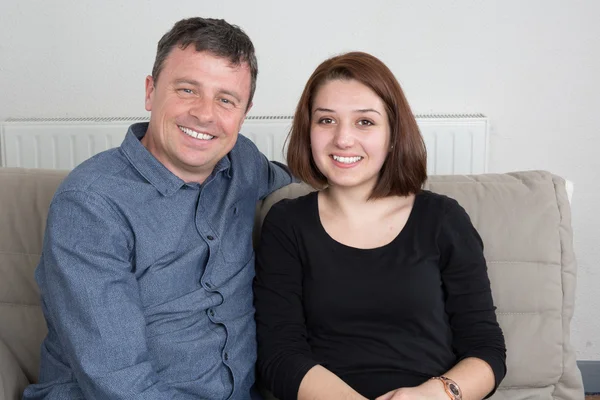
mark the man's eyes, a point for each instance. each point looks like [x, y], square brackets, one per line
[227, 102]
[189, 92]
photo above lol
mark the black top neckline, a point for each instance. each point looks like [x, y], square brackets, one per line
[322, 232]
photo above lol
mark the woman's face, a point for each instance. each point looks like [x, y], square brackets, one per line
[350, 134]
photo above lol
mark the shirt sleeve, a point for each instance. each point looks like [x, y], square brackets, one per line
[272, 176]
[88, 285]
[284, 355]
[469, 302]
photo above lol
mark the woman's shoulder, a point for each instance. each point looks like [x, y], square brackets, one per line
[439, 201]
[296, 207]
[450, 214]
[439, 208]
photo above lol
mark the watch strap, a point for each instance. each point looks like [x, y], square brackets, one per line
[452, 389]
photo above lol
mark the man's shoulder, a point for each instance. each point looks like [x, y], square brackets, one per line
[244, 148]
[95, 171]
[246, 160]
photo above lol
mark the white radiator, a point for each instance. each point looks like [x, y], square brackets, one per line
[456, 144]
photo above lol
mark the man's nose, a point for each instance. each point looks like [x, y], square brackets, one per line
[203, 110]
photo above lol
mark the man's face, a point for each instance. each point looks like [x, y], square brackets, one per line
[198, 105]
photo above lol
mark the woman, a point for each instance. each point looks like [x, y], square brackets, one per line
[370, 287]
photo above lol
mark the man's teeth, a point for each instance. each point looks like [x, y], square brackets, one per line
[194, 134]
[347, 160]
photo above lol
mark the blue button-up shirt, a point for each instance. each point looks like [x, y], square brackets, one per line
[146, 280]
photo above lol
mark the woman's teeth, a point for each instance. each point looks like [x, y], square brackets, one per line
[347, 160]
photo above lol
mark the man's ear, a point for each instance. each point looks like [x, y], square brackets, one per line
[149, 92]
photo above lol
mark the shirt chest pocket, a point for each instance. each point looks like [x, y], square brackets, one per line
[236, 245]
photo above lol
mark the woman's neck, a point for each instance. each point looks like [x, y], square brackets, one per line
[354, 203]
[350, 218]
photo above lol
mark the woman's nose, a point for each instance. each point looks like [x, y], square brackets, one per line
[344, 136]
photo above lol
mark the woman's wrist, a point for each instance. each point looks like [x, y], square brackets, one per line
[451, 388]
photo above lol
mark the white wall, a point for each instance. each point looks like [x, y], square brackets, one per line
[531, 66]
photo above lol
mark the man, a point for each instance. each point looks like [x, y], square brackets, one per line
[147, 262]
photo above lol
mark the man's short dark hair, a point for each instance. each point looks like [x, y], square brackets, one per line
[215, 36]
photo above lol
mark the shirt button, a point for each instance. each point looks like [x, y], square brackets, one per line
[226, 356]
[208, 285]
[212, 313]
[210, 237]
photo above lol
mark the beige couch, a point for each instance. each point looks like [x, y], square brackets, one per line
[524, 219]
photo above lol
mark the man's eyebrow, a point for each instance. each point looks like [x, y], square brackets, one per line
[188, 81]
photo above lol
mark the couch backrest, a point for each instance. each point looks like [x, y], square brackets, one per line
[524, 219]
[24, 199]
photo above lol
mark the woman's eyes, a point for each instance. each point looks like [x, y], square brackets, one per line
[360, 122]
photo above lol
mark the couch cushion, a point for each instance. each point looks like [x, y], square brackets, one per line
[12, 379]
[24, 199]
[525, 221]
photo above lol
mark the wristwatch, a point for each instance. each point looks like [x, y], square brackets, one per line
[451, 387]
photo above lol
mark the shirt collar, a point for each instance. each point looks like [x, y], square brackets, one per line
[151, 169]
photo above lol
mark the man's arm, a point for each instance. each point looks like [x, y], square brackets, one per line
[86, 279]
[272, 176]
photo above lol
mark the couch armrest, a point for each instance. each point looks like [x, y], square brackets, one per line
[570, 186]
[12, 378]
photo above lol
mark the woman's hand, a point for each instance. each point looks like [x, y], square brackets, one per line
[430, 390]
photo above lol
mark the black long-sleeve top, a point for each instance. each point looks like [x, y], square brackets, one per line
[382, 318]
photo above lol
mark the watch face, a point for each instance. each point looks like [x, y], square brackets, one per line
[454, 389]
